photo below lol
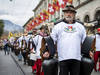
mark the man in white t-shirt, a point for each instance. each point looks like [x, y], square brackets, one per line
[69, 35]
[37, 41]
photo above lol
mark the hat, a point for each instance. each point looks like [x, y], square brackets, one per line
[34, 30]
[44, 27]
[98, 29]
[69, 8]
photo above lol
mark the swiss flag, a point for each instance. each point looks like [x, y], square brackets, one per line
[62, 3]
[37, 21]
[56, 5]
[46, 14]
[39, 18]
[51, 9]
[33, 23]
[42, 16]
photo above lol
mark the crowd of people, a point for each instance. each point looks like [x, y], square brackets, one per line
[68, 35]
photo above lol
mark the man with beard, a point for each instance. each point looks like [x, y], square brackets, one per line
[96, 47]
[69, 36]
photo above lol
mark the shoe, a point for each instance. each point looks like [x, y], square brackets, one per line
[24, 63]
[95, 70]
[34, 72]
[19, 59]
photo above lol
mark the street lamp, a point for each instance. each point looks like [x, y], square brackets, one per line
[10, 0]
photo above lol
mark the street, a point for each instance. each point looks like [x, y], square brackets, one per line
[8, 66]
[95, 73]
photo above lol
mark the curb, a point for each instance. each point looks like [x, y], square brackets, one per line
[17, 64]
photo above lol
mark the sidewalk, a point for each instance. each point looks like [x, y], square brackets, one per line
[27, 70]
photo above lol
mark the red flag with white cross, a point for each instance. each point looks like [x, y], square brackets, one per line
[51, 9]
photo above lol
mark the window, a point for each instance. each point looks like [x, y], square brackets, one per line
[86, 19]
[78, 1]
[78, 19]
[97, 15]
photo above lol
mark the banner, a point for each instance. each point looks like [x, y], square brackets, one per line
[10, 35]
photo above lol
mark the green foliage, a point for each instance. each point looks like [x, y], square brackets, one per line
[1, 27]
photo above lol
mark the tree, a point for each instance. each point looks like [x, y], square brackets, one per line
[1, 27]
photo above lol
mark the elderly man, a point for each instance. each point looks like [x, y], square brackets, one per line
[69, 36]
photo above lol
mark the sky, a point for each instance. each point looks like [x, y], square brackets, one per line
[17, 11]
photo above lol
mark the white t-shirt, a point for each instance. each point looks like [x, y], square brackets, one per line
[37, 41]
[69, 38]
[20, 40]
[33, 56]
[97, 42]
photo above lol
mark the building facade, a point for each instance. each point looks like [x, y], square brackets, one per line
[43, 4]
[87, 10]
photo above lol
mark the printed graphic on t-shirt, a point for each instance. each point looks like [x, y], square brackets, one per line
[70, 29]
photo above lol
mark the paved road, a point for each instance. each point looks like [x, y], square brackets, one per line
[95, 73]
[27, 70]
[8, 66]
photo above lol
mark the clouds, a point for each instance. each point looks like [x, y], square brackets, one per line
[19, 19]
[14, 19]
[3, 12]
[17, 11]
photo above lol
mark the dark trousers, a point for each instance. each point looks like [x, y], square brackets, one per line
[24, 54]
[70, 67]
